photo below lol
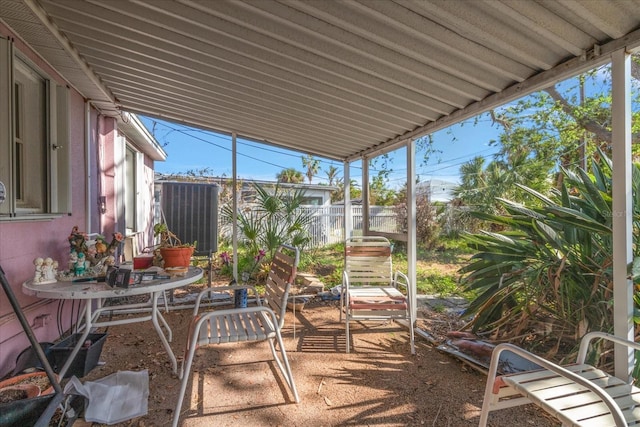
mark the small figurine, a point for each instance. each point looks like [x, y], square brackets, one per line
[73, 258]
[37, 277]
[80, 265]
[109, 261]
[48, 270]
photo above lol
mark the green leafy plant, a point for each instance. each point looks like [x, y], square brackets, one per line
[552, 263]
[167, 238]
[274, 219]
[247, 264]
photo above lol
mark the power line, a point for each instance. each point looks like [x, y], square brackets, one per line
[188, 133]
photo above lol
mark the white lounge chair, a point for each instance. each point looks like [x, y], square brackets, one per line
[370, 289]
[577, 395]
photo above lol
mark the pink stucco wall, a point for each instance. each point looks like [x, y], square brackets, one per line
[106, 158]
[21, 241]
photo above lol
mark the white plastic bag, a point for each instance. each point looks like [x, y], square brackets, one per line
[115, 398]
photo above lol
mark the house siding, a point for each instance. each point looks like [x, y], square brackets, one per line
[22, 241]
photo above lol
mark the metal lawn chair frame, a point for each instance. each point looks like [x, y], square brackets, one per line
[260, 323]
[370, 289]
[577, 394]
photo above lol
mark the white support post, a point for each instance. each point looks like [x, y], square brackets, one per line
[622, 211]
[348, 212]
[365, 196]
[412, 252]
[234, 193]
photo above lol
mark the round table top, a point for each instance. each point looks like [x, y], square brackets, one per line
[91, 290]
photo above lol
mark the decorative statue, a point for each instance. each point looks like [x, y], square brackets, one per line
[80, 265]
[73, 258]
[49, 270]
[37, 277]
[109, 261]
[46, 270]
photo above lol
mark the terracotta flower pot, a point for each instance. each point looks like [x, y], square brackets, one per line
[177, 257]
[25, 412]
[40, 378]
[26, 390]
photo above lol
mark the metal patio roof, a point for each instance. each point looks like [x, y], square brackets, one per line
[338, 79]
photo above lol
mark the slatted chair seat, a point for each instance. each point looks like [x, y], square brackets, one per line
[260, 323]
[231, 326]
[577, 395]
[380, 298]
[370, 289]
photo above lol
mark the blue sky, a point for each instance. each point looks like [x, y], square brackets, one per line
[193, 149]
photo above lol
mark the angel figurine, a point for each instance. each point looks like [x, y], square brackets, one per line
[73, 258]
[37, 277]
[49, 270]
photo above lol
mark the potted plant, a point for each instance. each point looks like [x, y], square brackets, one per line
[24, 397]
[174, 253]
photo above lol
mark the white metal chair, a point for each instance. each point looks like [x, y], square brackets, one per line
[578, 394]
[370, 289]
[260, 323]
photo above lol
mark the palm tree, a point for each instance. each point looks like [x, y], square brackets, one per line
[274, 218]
[290, 175]
[332, 174]
[472, 176]
[312, 165]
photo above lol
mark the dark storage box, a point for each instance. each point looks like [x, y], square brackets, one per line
[86, 359]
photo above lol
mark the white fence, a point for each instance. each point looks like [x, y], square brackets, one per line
[327, 224]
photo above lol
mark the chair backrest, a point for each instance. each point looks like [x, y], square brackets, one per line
[368, 260]
[282, 274]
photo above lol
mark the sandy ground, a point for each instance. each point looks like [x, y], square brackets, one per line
[379, 384]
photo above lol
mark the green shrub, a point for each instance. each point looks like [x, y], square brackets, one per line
[435, 282]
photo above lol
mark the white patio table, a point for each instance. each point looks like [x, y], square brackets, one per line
[94, 293]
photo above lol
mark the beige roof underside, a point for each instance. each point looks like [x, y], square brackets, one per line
[338, 79]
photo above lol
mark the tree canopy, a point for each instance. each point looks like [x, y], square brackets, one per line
[290, 175]
[559, 127]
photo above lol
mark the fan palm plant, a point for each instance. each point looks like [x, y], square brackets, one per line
[273, 219]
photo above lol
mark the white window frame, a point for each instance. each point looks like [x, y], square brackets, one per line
[57, 147]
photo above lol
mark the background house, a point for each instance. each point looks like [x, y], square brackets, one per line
[316, 195]
[437, 190]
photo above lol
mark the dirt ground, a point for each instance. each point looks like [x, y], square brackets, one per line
[378, 384]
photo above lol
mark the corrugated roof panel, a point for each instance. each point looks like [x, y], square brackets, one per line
[335, 78]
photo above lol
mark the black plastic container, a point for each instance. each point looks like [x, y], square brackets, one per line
[27, 360]
[86, 359]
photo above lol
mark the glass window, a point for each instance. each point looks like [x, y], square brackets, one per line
[29, 124]
[130, 190]
[34, 139]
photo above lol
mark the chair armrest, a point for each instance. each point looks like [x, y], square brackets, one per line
[403, 282]
[614, 409]
[586, 341]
